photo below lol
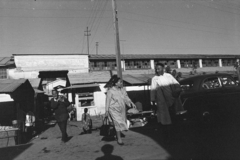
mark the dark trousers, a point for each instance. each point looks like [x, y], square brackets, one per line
[63, 127]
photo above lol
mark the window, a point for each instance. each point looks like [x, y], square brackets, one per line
[211, 83]
[227, 81]
[3, 73]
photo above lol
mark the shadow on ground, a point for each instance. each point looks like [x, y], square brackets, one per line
[190, 142]
[107, 150]
[9, 153]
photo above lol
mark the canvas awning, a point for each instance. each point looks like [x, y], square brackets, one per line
[38, 91]
[82, 88]
[137, 80]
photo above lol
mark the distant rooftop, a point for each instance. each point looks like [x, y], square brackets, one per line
[161, 56]
[5, 61]
[49, 54]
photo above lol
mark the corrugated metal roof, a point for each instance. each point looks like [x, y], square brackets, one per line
[132, 80]
[10, 85]
[161, 56]
[92, 77]
[138, 77]
[82, 86]
[5, 61]
[137, 71]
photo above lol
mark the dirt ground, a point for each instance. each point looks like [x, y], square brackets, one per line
[141, 143]
[88, 146]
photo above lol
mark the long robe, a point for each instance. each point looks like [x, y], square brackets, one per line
[161, 92]
[116, 100]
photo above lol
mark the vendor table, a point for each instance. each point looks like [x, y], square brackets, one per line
[140, 114]
[8, 133]
[139, 119]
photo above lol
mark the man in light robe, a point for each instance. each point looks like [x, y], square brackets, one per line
[162, 87]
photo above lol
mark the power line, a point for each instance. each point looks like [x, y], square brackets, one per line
[199, 30]
[99, 15]
[215, 8]
[94, 15]
[45, 9]
[166, 19]
[98, 21]
[224, 5]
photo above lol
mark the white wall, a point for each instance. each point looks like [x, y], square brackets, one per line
[16, 74]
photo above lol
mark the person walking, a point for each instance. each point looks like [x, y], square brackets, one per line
[164, 88]
[59, 104]
[116, 100]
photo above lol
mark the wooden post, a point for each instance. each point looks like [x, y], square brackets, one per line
[117, 46]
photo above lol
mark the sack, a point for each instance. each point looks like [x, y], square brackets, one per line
[70, 108]
[133, 111]
[107, 130]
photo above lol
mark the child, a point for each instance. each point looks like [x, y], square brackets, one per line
[87, 122]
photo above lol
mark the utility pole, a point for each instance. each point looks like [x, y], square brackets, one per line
[96, 48]
[117, 45]
[87, 34]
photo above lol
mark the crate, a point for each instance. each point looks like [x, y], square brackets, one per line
[7, 138]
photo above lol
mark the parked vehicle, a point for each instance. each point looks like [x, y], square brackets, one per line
[211, 98]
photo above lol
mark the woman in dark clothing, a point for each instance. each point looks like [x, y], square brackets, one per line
[60, 104]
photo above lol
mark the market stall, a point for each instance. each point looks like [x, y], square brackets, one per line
[138, 90]
[13, 109]
[84, 97]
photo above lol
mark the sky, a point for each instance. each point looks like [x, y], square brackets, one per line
[145, 27]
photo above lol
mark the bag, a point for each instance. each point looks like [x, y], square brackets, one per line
[133, 111]
[107, 130]
[70, 108]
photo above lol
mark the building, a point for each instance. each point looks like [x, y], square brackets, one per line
[148, 61]
[5, 64]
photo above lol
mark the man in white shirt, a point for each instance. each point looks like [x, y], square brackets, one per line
[162, 94]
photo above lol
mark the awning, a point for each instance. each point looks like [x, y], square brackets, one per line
[82, 88]
[10, 85]
[137, 80]
[131, 80]
[38, 91]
